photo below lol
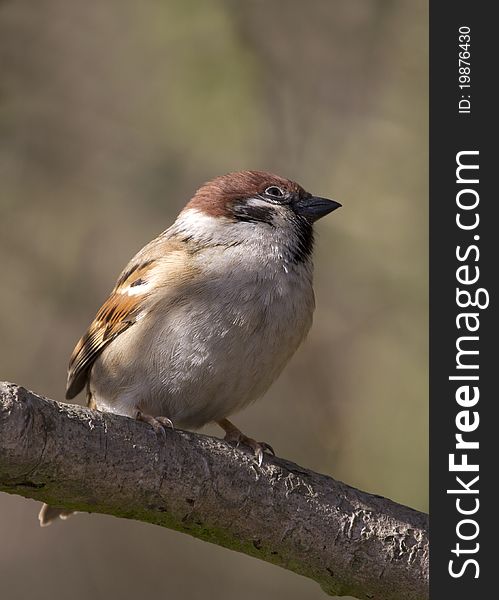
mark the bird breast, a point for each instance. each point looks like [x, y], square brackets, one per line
[212, 345]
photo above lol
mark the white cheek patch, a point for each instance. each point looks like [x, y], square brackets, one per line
[257, 202]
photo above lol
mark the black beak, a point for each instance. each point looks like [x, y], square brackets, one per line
[313, 207]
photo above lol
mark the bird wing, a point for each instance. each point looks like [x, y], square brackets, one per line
[157, 271]
[119, 312]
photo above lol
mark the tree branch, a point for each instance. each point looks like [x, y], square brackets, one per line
[350, 542]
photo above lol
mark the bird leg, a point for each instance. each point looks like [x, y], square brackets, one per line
[234, 435]
[159, 424]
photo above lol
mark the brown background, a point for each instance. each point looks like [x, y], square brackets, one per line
[111, 113]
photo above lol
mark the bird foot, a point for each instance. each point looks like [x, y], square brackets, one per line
[234, 436]
[159, 424]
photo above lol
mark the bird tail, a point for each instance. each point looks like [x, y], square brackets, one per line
[51, 513]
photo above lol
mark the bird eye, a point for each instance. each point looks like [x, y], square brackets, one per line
[274, 191]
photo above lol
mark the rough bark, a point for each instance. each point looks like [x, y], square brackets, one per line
[350, 542]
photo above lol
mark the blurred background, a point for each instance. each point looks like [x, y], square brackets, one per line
[112, 112]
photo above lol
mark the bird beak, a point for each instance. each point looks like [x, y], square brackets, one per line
[313, 208]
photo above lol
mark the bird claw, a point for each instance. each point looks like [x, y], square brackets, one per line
[267, 448]
[165, 422]
[259, 448]
[159, 424]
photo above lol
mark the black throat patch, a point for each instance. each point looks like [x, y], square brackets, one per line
[305, 235]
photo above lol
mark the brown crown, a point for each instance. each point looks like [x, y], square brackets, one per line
[217, 197]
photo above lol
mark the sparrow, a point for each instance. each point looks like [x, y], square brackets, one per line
[204, 318]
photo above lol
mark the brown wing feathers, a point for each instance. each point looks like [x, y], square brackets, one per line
[116, 315]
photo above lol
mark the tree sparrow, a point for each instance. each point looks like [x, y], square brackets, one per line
[205, 317]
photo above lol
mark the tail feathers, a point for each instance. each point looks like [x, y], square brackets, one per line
[51, 513]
